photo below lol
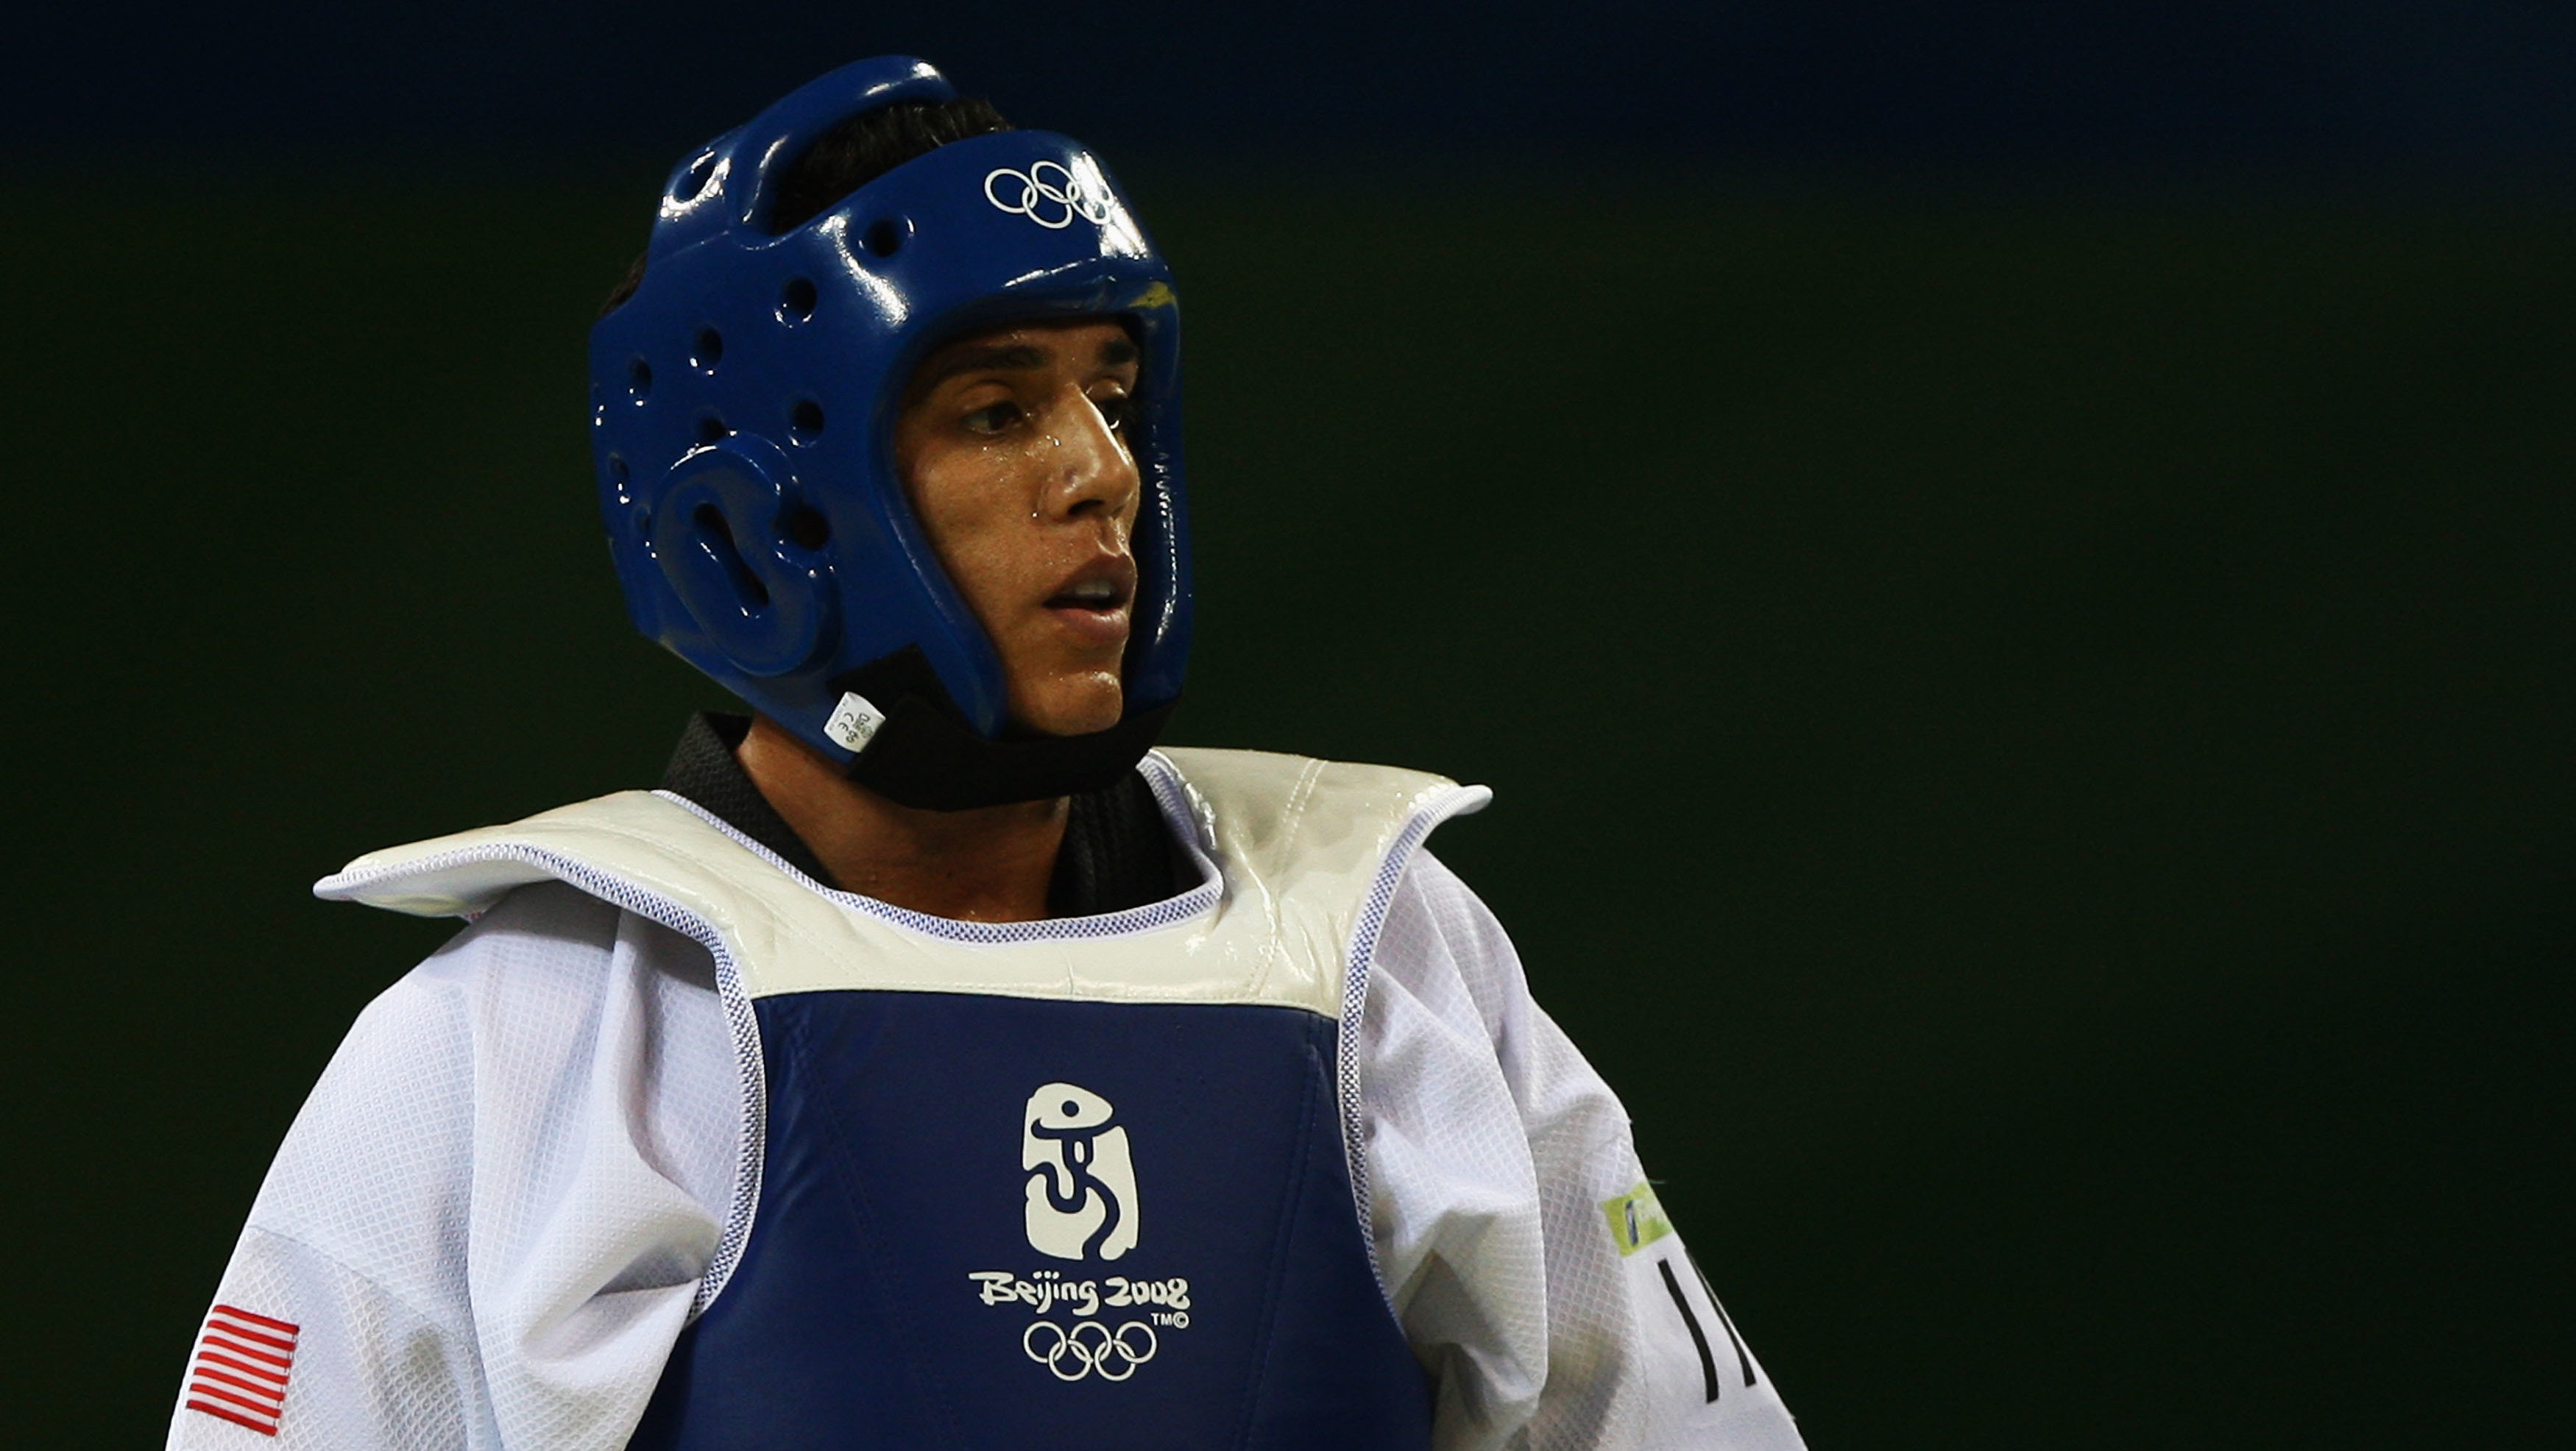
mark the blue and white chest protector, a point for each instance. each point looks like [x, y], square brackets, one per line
[1088, 1183]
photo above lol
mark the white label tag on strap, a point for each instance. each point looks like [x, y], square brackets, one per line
[854, 721]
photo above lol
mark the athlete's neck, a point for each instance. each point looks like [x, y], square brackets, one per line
[992, 864]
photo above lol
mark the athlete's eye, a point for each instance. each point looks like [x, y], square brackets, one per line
[993, 419]
[1115, 411]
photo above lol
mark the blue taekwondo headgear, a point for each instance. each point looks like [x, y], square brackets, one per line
[744, 402]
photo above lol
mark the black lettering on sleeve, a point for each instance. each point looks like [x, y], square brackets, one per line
[1699, 1337]
[1742, 1359]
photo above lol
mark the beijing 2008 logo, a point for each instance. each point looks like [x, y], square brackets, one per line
[1080, 1205]
[1082, 1185]
[1049, 194]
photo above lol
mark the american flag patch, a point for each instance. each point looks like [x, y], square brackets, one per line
[241, 1368]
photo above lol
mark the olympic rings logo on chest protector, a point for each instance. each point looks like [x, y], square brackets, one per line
[1051, 204]
[1089, 1346]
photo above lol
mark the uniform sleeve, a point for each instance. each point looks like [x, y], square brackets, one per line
[1519, 1240]
[343, 1317]
[486, 1225]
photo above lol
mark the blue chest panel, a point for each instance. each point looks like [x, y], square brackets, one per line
[1000, 1222]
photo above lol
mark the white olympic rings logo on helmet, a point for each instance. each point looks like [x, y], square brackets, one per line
[1035, 197]
[1087, 1353]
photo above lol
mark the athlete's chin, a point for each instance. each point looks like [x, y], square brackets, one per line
[1072, 703]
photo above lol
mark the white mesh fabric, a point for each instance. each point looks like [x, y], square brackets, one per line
[586, 1251]
[1492, 1144]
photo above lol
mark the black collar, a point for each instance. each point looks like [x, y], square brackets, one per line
[1118, 851]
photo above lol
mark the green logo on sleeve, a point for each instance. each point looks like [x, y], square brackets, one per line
[1636, 1219]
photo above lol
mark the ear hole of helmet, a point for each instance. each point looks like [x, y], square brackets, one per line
[715, 536]
[725, 537]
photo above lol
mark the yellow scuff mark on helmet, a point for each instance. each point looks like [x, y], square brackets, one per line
[1157, 295]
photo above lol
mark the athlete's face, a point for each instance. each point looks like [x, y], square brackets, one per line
[1011, 450]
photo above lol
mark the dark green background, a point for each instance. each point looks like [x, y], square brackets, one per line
[2030, 734]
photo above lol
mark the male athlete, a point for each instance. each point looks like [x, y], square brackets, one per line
[929, 1062]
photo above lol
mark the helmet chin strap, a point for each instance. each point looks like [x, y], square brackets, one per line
[924, 755]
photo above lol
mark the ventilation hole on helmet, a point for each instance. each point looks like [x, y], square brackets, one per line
[806, 528]
[643, 523]
[706, 350]
[617, 473]
[712, 428]
[804, 420]
[639, 380]
[700, 171]
[796, 301]
[716, 537]
[883, 237]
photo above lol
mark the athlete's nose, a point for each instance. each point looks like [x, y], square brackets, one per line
[1089, 470]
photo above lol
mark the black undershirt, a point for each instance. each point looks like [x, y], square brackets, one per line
[1117, 853]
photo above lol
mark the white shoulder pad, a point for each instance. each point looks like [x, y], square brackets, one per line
[1300, 857]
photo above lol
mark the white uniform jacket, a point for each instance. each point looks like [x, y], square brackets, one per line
[535, 1157]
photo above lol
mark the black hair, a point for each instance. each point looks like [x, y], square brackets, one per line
[852, 154]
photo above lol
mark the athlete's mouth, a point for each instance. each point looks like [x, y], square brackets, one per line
[1102, 586]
